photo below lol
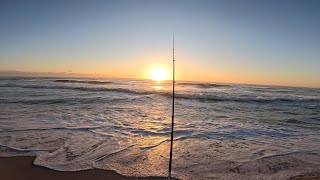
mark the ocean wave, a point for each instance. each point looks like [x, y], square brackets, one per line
[19, 78]
[52, 128]
[83, 81]
[69, 101]
[295, 121]
[14, 78]
[203, 85]
[216, 98]
[52, 101]
[273, 90]
[93, 89]
[188, 96]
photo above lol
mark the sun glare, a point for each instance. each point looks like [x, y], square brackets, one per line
[158, 74]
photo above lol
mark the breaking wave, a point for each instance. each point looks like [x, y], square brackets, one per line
[93, 89]
[81, 81]
[208, 97]
[203, 85]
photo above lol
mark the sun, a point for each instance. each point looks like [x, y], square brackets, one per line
[158, 74]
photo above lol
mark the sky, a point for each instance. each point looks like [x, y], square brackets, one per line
[235, 41]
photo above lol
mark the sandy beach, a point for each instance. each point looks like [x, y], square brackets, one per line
[22, 168]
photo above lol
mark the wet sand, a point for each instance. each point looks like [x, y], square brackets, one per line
[22, 168]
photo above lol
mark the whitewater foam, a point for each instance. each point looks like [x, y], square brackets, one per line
[222, 131]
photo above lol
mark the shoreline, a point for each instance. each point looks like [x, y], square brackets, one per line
[22, 167]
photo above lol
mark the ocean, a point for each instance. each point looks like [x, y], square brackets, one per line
[222, 131]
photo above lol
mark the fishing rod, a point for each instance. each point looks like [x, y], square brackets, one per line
[172, 122]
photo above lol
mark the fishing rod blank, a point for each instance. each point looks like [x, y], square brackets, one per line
[172, 123]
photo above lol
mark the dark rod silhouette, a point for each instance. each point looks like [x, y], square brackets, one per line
[172, 123]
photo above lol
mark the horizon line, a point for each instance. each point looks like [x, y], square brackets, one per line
[16, 73]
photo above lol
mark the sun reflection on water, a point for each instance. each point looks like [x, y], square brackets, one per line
[157, 87]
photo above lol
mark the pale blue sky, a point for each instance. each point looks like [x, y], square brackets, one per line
[268, 42]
